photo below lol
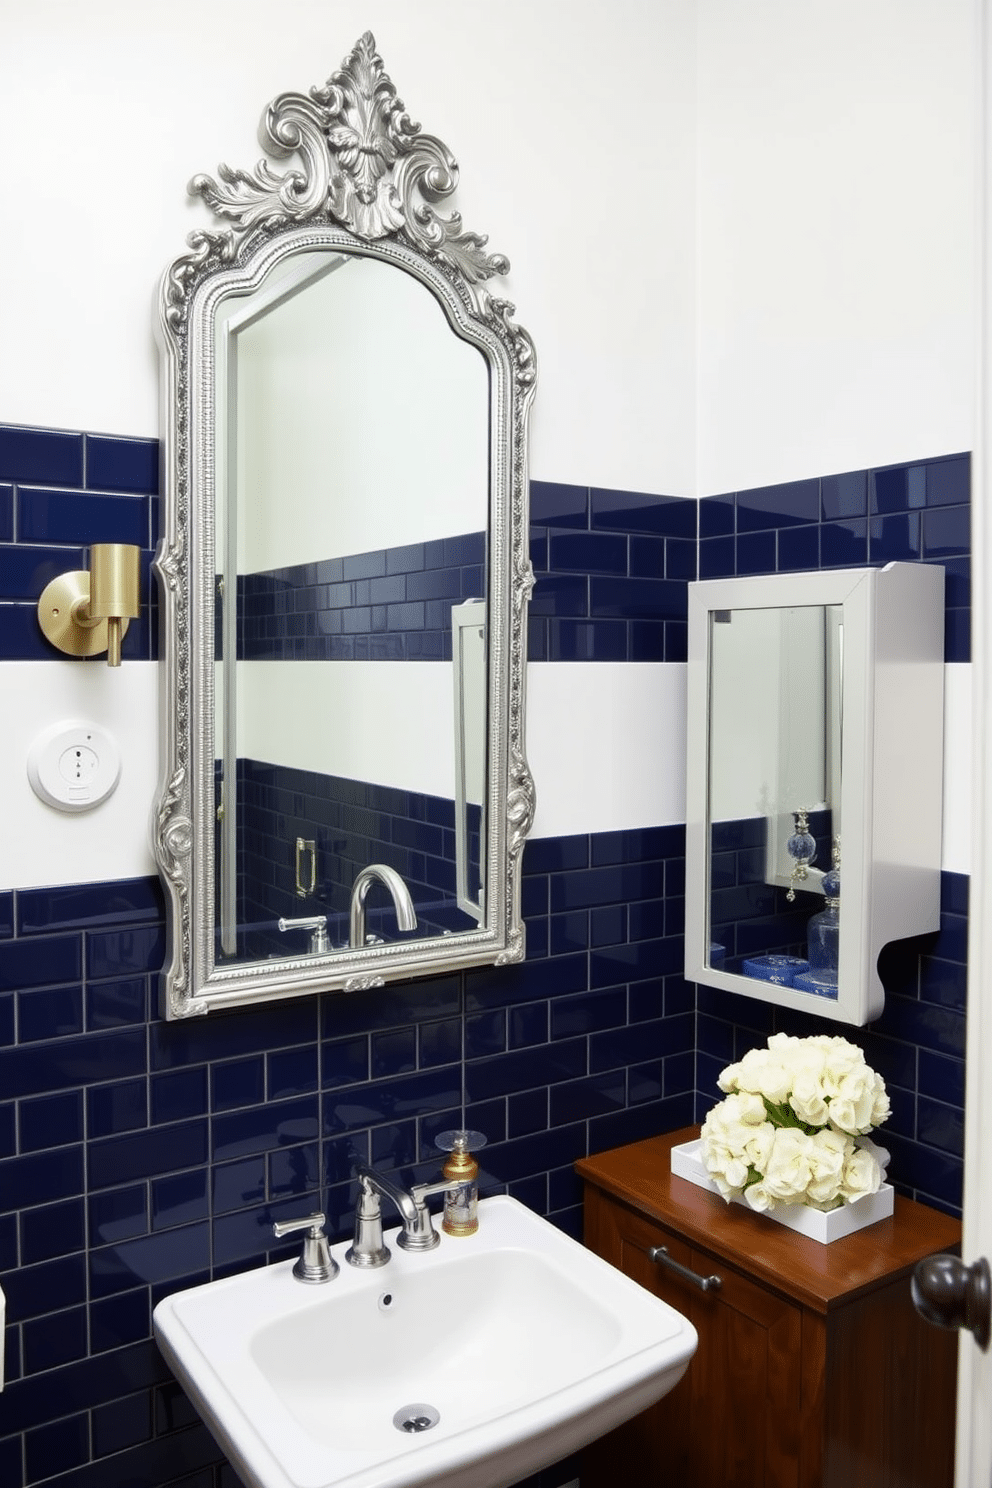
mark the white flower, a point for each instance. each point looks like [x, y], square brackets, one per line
[830, 1153]
[789, 1169]
[786, 1132]
[862, 1173]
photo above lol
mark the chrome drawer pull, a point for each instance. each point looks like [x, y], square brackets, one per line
[660, 1254]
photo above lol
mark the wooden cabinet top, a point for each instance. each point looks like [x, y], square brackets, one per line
[818, 1276]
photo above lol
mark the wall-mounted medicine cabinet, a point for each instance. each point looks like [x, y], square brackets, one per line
[814, 781]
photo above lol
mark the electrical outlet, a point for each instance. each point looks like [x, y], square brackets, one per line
[74, 766]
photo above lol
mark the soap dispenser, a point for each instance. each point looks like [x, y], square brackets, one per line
[461, 1204]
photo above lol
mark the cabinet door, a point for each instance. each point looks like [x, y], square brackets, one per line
[733, 1420]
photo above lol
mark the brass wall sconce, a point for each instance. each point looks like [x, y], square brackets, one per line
[84, 613]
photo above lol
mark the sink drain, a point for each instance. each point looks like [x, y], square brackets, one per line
[418, 1417]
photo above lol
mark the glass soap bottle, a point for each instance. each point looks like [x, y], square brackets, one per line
[461, 1204]
[823, 931]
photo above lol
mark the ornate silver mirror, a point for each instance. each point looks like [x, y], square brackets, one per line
[343, 572]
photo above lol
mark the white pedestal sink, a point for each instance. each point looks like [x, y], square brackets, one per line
[470, 1366]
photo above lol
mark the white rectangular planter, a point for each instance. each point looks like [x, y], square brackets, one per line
[823, 1226]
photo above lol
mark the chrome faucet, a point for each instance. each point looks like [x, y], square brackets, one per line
[317, 925]
[316, 1264]
[406, 916]
[418, 1233]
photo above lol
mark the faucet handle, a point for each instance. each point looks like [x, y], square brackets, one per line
[316, 1264]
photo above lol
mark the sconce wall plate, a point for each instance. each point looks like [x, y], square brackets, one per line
[86, 613]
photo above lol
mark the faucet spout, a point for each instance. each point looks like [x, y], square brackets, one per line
[406, 916]
[367, 1249]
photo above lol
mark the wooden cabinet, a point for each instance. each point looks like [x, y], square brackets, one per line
[813, 1368]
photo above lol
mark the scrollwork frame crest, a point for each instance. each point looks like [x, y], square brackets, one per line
[363, 179]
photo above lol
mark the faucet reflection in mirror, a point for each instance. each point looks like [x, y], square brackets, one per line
[360, 570]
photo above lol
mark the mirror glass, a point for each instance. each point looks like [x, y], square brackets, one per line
[344, 573]
[775, 751]
[345, 548]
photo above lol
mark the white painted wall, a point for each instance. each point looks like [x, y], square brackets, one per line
[798, 301]
[835, 236]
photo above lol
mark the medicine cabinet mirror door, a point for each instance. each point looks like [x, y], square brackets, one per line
[814, 781]
[343, 573]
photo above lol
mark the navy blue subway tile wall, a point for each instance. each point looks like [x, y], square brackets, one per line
[612, 570]
[390, 605]
[60, 492]
[917, 1046]
[913, 513]
[351, 823]
[138, 1156]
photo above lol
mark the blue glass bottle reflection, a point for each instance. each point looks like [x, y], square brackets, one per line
[823, 938]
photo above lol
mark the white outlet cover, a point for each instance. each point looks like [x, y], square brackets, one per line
[74, 766]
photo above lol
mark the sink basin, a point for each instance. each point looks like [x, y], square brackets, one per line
[469, 1366]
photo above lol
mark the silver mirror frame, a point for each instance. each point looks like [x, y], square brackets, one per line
[366, 183]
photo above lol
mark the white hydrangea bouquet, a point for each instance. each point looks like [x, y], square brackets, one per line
[793, 1128]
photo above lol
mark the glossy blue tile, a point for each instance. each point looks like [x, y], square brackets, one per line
[757, 552]
[54, 1340]
[949, 481]
[292, 1072]
[649, 641]
[113, 1004]
[237, 1184]
[844, 495]
[57, 1446]
[844, 544]
[717, 516]
[957, 635]
[49, 1012]
[41, 962]
[646, 556]
[145, 1154]
[180, 1199]
[596, 1095]
[238, 1083]
[52, 1230]
[119, 1214]
[785, 505]
[46, 516]
[89, 906]
[162, 1257]
[717, 557]
[122, 464]
[556, 505]
[41, 455]
[560, 595]
[632, 511]
[121, 1320]
[394, 1053]
[637, 598]
[896, 538]
[121, 1423]
[118, 953]
[898, 488]
[798, 549]
[947, 532]
[25, 570]
[241, 1133]
[6, 512]
[588, 552]
[118, 1107]
[523, 1069]
[40, 1178]
[178, 1095]
[587, 640]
